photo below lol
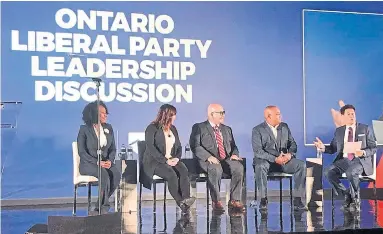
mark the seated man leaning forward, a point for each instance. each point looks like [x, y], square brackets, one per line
[275, 149]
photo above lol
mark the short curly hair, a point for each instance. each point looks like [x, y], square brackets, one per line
[89, 114]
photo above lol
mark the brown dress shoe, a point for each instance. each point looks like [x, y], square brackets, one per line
[217, 206]
[237, 205]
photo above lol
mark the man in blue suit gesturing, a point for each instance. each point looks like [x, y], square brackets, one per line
[353, 164]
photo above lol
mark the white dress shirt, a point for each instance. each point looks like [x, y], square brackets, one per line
[103, 140]
[346, 132]
[274, 130]
[169, 141]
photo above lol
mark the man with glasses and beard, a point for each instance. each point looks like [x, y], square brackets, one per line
[213, 144]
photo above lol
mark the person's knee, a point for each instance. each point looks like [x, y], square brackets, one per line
[261, 168]
[350, 173]
[215, 170]
[301, 168]
[237, 170]
[104, 173]
[301, 165]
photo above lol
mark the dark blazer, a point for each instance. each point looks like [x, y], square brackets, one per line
[87, 143]
[155, 151]
[203, 143]
[362, 134]
[265, 146]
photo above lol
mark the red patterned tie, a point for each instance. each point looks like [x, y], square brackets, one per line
[350, 139]
[221, 149]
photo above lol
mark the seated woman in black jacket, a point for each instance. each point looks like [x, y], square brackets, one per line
[87, 143]
[162, 156]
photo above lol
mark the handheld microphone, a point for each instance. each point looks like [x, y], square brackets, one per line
[95, 79]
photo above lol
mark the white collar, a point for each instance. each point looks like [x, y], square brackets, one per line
[352, 126]
[272, 126]
[213, 125]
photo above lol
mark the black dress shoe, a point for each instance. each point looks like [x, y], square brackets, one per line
[298, 205]
[263, 204]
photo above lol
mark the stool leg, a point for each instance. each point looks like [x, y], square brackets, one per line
[291, 191]
[227, 191]
[359, 198]
[89, 196]
[193, 189]
[116, 199]
[207, 196]
[75, 200]
[280, 191]
[154, 196]
[376, 203]
[332, 218]
[165, 184]
[255, 190]
[139, 204]
[280, 203]
[244, 189]
[255, 201]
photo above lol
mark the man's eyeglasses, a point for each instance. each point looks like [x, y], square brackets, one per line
[218, 112]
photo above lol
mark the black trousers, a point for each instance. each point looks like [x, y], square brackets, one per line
[177, 178]
[110, 179]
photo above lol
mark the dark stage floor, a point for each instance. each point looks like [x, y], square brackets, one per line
[14, 221]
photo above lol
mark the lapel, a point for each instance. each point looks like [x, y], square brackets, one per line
[266, 126]
[161, 140]
[175, 145]
[341, 136]
[93, 132]
[279, 137]
[212, 134]
[357, 129]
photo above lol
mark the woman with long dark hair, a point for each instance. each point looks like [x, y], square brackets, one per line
[87, 142]
[162, 156]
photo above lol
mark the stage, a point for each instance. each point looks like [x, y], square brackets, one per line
[19, 220]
